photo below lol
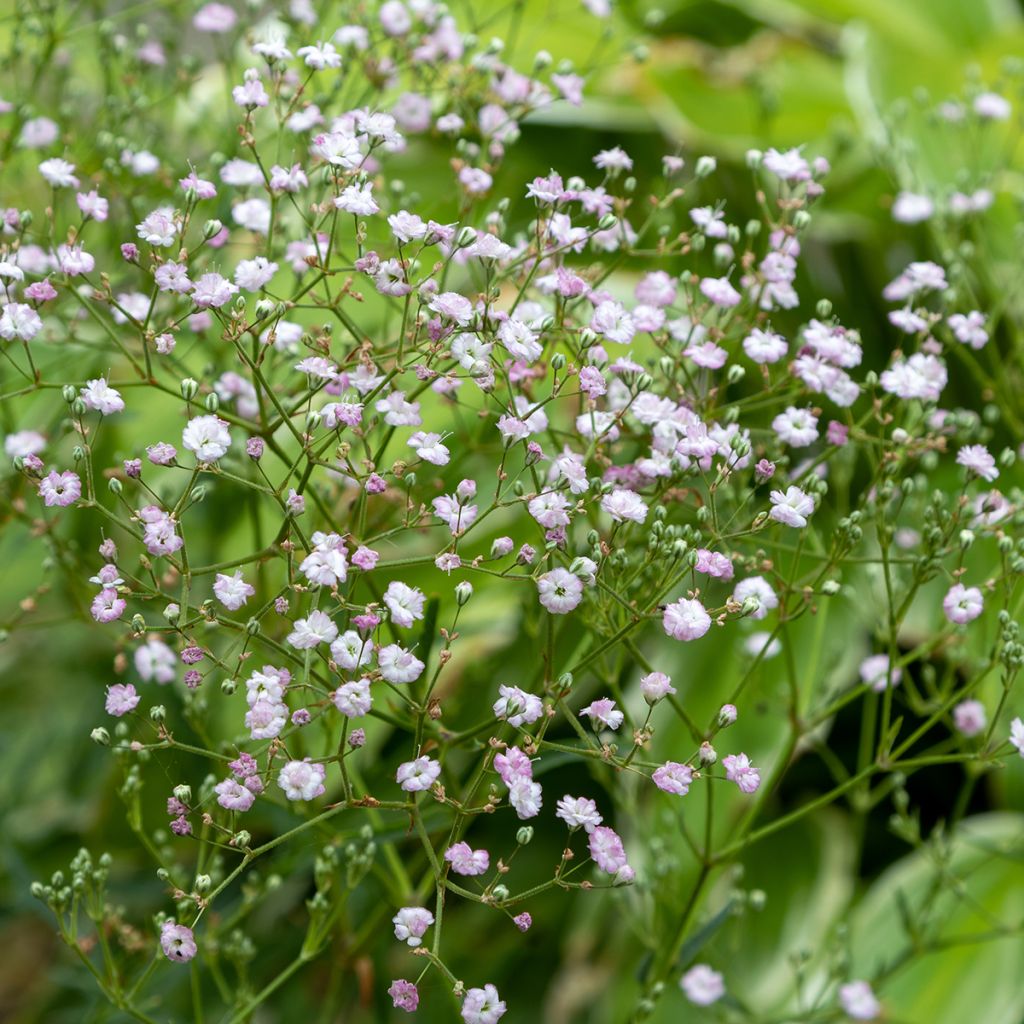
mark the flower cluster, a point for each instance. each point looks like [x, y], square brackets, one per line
[599, 409]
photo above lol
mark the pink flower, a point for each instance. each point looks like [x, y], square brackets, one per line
[121, 698]
[702, 985]
[578, 812]
[233, 796]
[975, 458]
[792, 507]
[738, 769]
[60, 489]
[969, 717]
[655, 686]
[419, 775]
[467, 861]
[858, 1001]
[482, 1006]
[962, 604]
[302, 780]
[411, 924]
[603, 711]
[559, 591]
[517, 707]
[232, 591]
[686, 620]
[673, 777]
[177, 942]
[523, 921]
[607, 850]
[107, 606]
[404, 995]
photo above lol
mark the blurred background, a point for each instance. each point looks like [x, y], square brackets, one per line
[856, 82]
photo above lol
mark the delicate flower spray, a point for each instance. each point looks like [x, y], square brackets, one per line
[422, 402]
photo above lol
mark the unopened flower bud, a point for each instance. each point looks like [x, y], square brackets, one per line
[706, 165]
[203, 883]
[708, 755]
[211, 228]
[189, 389]
[183, 792]
[726, 715]
[100, 736]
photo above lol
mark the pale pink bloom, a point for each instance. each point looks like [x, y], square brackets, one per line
[404, 602]
[207, 437]
[517, 707]
[578, 812]
[19, 321]
[603, 711]
[353, 699]
[177, 942]
[759, 593]
[977, 459]
[969, 717]
[212, 291]
[792, 507]
[417, 776]
[686, 619]
[962, 604]
[121, 698]
[232, 591]
[607, 850]
[58, 173]
[526, 797]
[702, 985]
[874, 672]
[397, 665]
[720, 292]
[60, 489]
[317, 628]
[796, 427]
[858, 1001]
[911, 208]
[655, 686]
[467, 861]
[404, 995]
[623, 504]
[302, 780]
[673, 777]
[233, 796]
[559, 591]
[738, 769]
[483, 1006]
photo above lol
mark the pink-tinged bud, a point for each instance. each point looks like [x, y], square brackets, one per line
[707, 754]
[764, 470]
[726, 715]
[254, 448]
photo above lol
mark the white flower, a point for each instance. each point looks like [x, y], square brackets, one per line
[397, 665]
[316, 628]
[404, 602]
[207, 437]
[100, 396]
